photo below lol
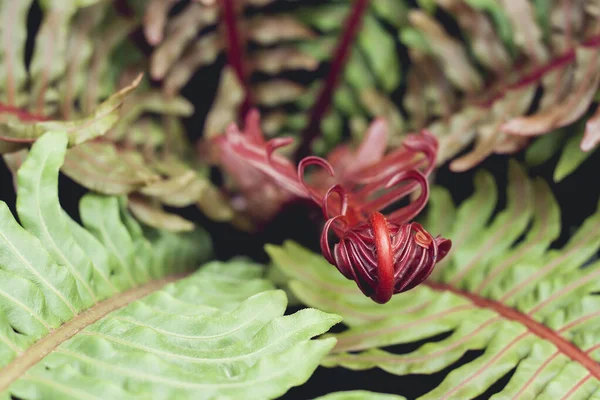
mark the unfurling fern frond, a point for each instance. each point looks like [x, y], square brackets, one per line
[110, 308]
[530, 310]
[82, 53]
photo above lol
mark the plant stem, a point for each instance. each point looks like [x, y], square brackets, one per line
[535, 327]
[46, 345]
[235, 51]
[352, 26]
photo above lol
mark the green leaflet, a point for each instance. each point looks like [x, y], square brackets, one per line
[150, 101]
[380, 50]
[544, 148]
[571, 156]
[49, 60]
[307, 44]
[75, 267]
[81, 56]
[393, 11]
[453, 47]
[503, 291]
[325, 18]
[563, 142]
[542, 8]
[500, 18]
[415, 39]
[176, 343]
[154, 215]
[109, 169]
[68, 296]
[104, 168]
[97, 124]
[427, 5]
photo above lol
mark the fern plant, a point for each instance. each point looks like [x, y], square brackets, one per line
[473, 73]
[477, 78]
[131, 142]
[530, 310]
[78, 301]
[266, 44]
[129, 302]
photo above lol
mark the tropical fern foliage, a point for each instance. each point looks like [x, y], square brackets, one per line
[123, 296]
[81, 54]
[498, 74]
[220, 330]
[277, 56]
[531, 311]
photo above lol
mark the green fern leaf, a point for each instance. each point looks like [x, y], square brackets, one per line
[82, 54]
[304, 39]
[544, 148]
[104, 117]
[473, 75]
[530, 309]
[571, 156]
[110, 308]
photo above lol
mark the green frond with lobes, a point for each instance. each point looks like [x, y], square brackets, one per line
[114, 308]
[530, 309]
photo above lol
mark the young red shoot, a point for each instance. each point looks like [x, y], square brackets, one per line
[384, 253]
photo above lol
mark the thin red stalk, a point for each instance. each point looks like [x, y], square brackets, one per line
[21, 114]
[352, 25]
[487, 365]
[566, 58]
[235, 50]
[593, 348]
[535, 375]
[576, 387]
[540, 330]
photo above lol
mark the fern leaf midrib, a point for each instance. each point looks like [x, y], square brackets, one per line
[537, 74]
[39, 350]
[323, 101]
[235, 52]
[538, 329]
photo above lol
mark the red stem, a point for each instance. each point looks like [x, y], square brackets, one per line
[567, 58]
[538, 329]
[235, 51]
[352, 25]
[21, 114]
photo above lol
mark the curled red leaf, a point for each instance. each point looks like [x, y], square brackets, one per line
[383, 254]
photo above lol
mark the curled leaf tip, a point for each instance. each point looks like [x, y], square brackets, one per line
[383, 254]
